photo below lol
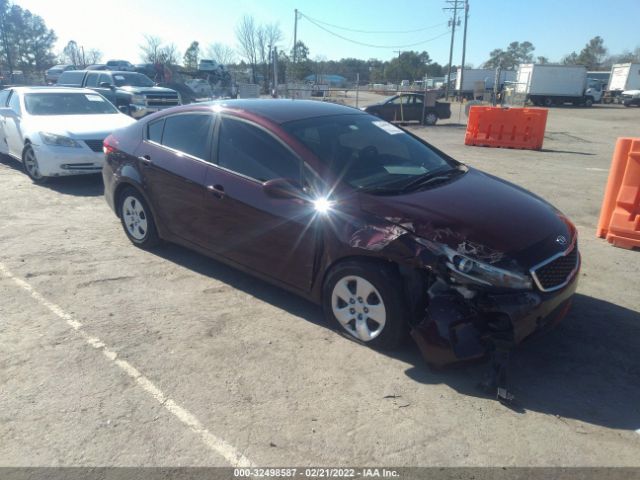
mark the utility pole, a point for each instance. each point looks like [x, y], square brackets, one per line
[275, 72]
[399, 52]
[464, 39]
[295, 36]
[453, 34]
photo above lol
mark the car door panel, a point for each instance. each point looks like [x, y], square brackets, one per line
[272, 236]
[12, 127]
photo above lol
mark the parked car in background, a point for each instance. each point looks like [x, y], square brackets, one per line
[56, 131]
[51, 76]
[133, 93]
[630, 97]
[97, 66]
[120, 65]
[208, 65]
[410, 107]
[384, 230]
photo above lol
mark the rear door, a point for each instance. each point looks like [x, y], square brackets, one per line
[173, 160]
[272, 236]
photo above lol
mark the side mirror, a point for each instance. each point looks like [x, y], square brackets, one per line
[124, 109]
[105, 85]
[283, 188]
[7, 112]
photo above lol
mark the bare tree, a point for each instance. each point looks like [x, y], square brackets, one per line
[267, 37]
[221, 53]
[151, 49]
[246, 34]
[93, 56]
[168, 54]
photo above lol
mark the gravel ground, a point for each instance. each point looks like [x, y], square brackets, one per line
[180, 360]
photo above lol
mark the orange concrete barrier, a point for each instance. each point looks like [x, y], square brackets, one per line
[506, 127]
[620, 214]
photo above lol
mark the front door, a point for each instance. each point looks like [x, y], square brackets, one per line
[173, 161]
[12, 126]
[272, 236]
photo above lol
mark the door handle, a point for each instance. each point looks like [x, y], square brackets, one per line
[216, 190]
[145, 159]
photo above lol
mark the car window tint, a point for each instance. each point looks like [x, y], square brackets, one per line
[14, 102]
[189, 134]
[251, 151]
[4, 96]
[92, 80]
[154, 131]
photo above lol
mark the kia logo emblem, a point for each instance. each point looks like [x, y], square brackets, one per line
[561, 239]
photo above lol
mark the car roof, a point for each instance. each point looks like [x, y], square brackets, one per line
[52, 90]
[285, 110]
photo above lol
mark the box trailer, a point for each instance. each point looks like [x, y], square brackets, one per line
[624, 77]
[466, 84]
[550, 85]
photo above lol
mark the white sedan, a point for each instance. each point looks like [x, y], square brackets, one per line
[57, 131]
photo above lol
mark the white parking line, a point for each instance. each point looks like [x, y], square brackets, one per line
[211, 441]
[596, 169]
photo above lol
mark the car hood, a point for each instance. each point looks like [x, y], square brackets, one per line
[132, 89]
[79, 126]
[480, 216]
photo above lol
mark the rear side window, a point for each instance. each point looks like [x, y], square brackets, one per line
[71, 78]
[14, 103]
[4, 95]
[249, 150]
[188, 133]
[154, 131]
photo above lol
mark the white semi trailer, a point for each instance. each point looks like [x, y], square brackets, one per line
[550, 85]
[466, 84]
[624, 77]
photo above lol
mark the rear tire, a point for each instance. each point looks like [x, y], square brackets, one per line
[548, 102]
[364, 301]
[31, 166]
[137, 219]
[588, 103]
[430, 118]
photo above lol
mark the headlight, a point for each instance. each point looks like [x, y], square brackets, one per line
[137, 99]
[58, 140]
[477, 272]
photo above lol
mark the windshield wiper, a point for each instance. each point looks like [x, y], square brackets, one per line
[431, 177]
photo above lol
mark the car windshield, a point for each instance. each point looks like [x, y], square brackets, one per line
[67, 103]
[368, 153]
[132, 79]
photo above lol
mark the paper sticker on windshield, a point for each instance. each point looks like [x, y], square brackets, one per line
[94, 98]
[118, 77]
[387, 127]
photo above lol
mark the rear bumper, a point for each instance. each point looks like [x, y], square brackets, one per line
[457, 331]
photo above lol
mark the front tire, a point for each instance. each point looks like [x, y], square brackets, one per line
[137, 219]
[31, 166]
[364, 301]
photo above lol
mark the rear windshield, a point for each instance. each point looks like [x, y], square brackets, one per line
[67, 103]
[132, 79]
[366, 152]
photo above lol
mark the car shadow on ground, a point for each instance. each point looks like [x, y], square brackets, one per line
[587, 369]
[79, 185]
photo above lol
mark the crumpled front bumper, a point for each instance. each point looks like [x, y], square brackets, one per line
[456, 330]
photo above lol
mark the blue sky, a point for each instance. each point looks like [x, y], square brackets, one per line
[555, 27]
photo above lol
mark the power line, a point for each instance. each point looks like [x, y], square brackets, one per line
[369, 44]
[373, 31]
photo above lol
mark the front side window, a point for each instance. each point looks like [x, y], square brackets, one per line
[250, 151]
[188, 133]
[368, 153]
[104, 78]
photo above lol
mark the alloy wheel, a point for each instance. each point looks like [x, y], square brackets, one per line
[135, 218]
[31, 164]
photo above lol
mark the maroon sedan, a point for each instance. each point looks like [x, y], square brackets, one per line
[388, 233]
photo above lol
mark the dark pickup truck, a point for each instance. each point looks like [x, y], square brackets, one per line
[414, 106]
[133, 93]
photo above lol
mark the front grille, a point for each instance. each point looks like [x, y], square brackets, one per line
[556, 273]
[161, 99]
[95, 145]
